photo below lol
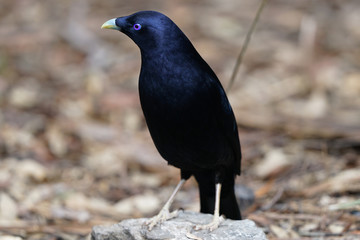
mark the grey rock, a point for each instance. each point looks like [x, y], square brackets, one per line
[180, 228]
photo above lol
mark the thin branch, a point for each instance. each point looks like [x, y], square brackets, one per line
[273, 201]
[346, 205]
[246, 43]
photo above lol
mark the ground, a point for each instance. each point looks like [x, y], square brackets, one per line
[75, 151]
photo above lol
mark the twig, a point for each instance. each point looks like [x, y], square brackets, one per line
[246, 43]
[346, 205]
[278, 216]
[276, 198]
[192, 236]
[319, 234]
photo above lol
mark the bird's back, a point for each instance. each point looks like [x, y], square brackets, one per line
[187, 111]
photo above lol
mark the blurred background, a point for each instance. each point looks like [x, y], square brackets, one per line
[75, 151]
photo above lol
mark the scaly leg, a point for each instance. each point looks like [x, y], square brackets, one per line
[164, 213]
[214, 224]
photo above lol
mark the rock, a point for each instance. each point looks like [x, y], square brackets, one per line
[179, 228]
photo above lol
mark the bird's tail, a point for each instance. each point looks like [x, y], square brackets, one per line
[228, 203]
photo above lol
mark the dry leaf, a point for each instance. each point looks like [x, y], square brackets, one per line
[347, 180]
[274, 162]
[8, 208]
[144, 204]
[30, 169]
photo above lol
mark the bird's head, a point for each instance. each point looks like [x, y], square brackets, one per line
[148, 29]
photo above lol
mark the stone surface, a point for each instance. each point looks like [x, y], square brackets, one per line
[179, 228]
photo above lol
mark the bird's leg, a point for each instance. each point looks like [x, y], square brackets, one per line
[217, 219]
[164, 213]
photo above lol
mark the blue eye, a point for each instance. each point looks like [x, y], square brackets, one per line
[137, 26]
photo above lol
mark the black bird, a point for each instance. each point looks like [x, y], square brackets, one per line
[187, 112]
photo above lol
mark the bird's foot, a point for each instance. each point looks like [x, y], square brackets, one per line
[163, 215]
[211, 226]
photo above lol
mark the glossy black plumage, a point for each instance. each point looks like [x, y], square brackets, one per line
[186, 109]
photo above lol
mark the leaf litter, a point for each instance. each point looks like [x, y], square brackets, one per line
[74, 147]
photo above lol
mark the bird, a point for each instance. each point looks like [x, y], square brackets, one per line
[187, 112]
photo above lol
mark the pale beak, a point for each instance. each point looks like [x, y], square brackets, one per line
[111, 24]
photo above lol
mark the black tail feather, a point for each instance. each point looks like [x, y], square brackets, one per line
[228, 203]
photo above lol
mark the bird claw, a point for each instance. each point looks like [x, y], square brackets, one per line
[214, 224]
[163, 215]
